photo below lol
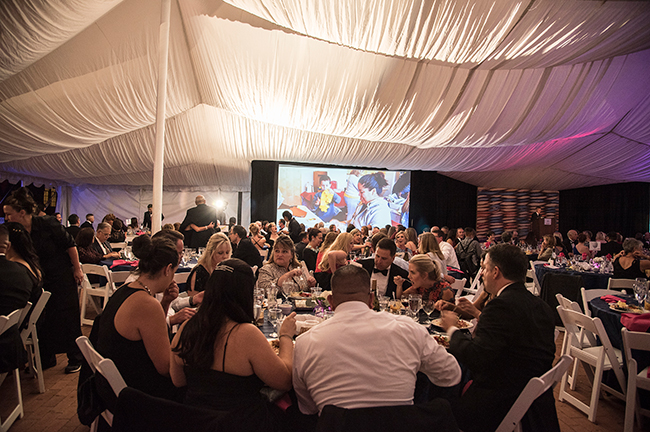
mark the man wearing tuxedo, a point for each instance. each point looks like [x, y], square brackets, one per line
[15, 291]
[101, 244]
[382, 268]
[514, 341]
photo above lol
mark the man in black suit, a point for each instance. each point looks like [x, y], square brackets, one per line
[15, 291]
[101, 244]
[383, 270]
[198, 225]
[146, 219]
[303, 241]
[612, 247]
[74, 228]
[513, 342]
[243, 248]
[569, 242]
[90, 219]
[294, 226]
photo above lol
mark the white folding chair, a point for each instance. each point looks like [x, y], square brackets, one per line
[7, 322]
[534, 389]
[571, 305]
[119, 277]
[181, 277]
[601, 358]
[536, 288]
[589, 295]
[95, 290]
[635, 379]
[111, 374]
[459, 286]
[30, 341]
[118, 246]
[620, 284]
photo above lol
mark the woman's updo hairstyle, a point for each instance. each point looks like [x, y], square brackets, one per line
[375, 181]
[21, 199]
[154, 254]
[423, 264]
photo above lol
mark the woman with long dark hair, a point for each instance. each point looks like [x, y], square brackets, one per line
[21, 250]
[57, 253]
[84, 240]
[222, 358]
[132, 329]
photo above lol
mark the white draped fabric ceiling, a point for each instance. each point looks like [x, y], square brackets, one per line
[537, 94]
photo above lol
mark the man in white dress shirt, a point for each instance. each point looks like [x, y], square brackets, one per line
[447, 250]
[362, 358]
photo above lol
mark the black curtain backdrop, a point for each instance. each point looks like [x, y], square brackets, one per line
[623, 207]
[264, 190]
[439, 200]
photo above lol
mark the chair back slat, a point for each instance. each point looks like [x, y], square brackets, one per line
[90, 354]
[8, 321]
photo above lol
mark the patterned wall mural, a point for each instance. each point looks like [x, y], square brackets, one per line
[501, 209]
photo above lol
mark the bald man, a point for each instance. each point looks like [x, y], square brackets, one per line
[199, 223]
[349, 360]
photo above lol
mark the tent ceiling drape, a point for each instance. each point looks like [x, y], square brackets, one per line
[535, 94]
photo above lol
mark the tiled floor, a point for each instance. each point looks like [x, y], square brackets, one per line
[55, 410]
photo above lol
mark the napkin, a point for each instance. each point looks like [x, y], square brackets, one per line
[125, 262]
[636, 322]
[611, 299]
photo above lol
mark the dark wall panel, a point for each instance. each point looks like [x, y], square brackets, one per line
[623, 207]
[264, 190]
[439, 200]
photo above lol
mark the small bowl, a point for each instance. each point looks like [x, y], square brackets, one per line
[285, 308]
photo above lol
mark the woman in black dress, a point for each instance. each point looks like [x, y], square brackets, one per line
[218, 249]
[132, 328]
[224, 359]
[59, 325]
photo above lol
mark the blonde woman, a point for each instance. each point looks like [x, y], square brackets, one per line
[426, 280]
[273, 234]
[218, 249]
[337, 255]
[330, 237]
[256, 237]
[429, 247]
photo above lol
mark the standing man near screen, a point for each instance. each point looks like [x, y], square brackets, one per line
[294, 226]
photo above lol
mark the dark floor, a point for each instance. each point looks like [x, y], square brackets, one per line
[55, 410]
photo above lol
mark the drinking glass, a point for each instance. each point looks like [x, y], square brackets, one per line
[415, 304]
[274, 316]
[428, 308]
[383, 302]
[640, 290]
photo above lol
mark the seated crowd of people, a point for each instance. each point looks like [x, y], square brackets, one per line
[220, 360]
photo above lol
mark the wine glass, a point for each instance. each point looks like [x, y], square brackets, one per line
[428, 308]
[274, 316]
[640, 287]
[415, 304]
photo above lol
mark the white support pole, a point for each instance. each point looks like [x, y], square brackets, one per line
[159, 158]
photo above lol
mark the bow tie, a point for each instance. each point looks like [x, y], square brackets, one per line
[384, 272]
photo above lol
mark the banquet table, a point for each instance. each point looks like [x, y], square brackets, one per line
[183, 268]
[611, 320]
[590, 280]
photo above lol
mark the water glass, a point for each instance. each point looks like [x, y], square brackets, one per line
[274, 315]
[640, 287]
[383, 302]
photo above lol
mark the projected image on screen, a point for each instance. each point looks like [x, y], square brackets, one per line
[341, 196]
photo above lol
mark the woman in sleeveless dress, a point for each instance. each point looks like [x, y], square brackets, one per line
[225, 360]
[426, 281]
[132, 328]
[631, 263]
[217, 250]
[337, 255]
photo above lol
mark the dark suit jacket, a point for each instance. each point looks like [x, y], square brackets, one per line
[97, 248]
[513, 342]
[201, 215]
[611, 248]
[73, 230]
[394, 270]
[15, 291]
[294, 230]
[300, 248]
[247, 252]
[87, 224]
[146, 219]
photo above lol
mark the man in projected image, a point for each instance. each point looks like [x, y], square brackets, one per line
[373, 209]
[325, 200]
